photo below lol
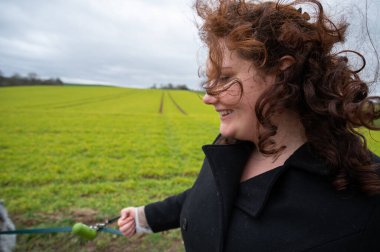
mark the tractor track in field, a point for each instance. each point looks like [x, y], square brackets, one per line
[198, 95]
[79, 102]
[161, 109]
[176, 104]
[94, 100]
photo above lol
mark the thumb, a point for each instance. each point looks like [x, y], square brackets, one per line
[126, 212]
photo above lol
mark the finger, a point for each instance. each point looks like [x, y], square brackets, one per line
[129, 219]
[125, 221]
[127, 226]
[124, 213]
[123, 229]
[120, 222]
[129, 233]
[131, 230]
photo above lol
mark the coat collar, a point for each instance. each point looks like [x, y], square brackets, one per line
[255, 192]
[227, 163]
[304, 158]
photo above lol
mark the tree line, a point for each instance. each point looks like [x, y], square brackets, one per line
[32, 79]
[170, 86]
[29, 80]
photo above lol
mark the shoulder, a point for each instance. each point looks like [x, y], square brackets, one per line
[340, 216]
[308, 179]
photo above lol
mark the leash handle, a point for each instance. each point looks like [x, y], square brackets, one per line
[112, 220]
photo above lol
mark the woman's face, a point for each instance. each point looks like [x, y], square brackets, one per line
[237, 116]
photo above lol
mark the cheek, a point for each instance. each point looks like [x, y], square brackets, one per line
[252, 93]
[232, 96]
[249, 100]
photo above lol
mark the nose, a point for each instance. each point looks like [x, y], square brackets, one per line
[209, 99]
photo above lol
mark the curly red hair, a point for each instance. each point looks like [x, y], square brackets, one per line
[321, 86]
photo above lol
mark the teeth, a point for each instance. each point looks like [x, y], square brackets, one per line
[225, 112]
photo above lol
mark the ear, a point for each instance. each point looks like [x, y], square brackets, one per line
[285, 62]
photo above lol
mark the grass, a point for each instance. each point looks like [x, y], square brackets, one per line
[74, 153]
[66, 150]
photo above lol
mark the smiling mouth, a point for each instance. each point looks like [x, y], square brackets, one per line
[225, 112]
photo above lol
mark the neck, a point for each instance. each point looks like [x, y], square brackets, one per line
[290, 133]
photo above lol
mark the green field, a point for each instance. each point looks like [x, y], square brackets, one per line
[76, 153]
[72, 153]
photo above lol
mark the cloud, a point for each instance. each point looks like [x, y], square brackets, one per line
[117, 41]
[126, 42]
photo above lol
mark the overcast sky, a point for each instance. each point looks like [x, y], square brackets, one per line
[135, 43]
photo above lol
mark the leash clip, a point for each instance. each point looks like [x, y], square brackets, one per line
[100, 226]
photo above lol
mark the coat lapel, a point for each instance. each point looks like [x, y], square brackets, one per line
[227, 163]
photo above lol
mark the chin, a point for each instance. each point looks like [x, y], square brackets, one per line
[226, 133]
[233, 135]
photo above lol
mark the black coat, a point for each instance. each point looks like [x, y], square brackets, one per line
[291, 208]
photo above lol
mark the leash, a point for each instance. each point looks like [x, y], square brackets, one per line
[54, 230]
[82, 230]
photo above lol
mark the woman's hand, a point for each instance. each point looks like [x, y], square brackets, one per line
[126, 222]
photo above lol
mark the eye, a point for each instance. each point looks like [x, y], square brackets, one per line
[224, 79]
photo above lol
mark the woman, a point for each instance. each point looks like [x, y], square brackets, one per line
[288, 171]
